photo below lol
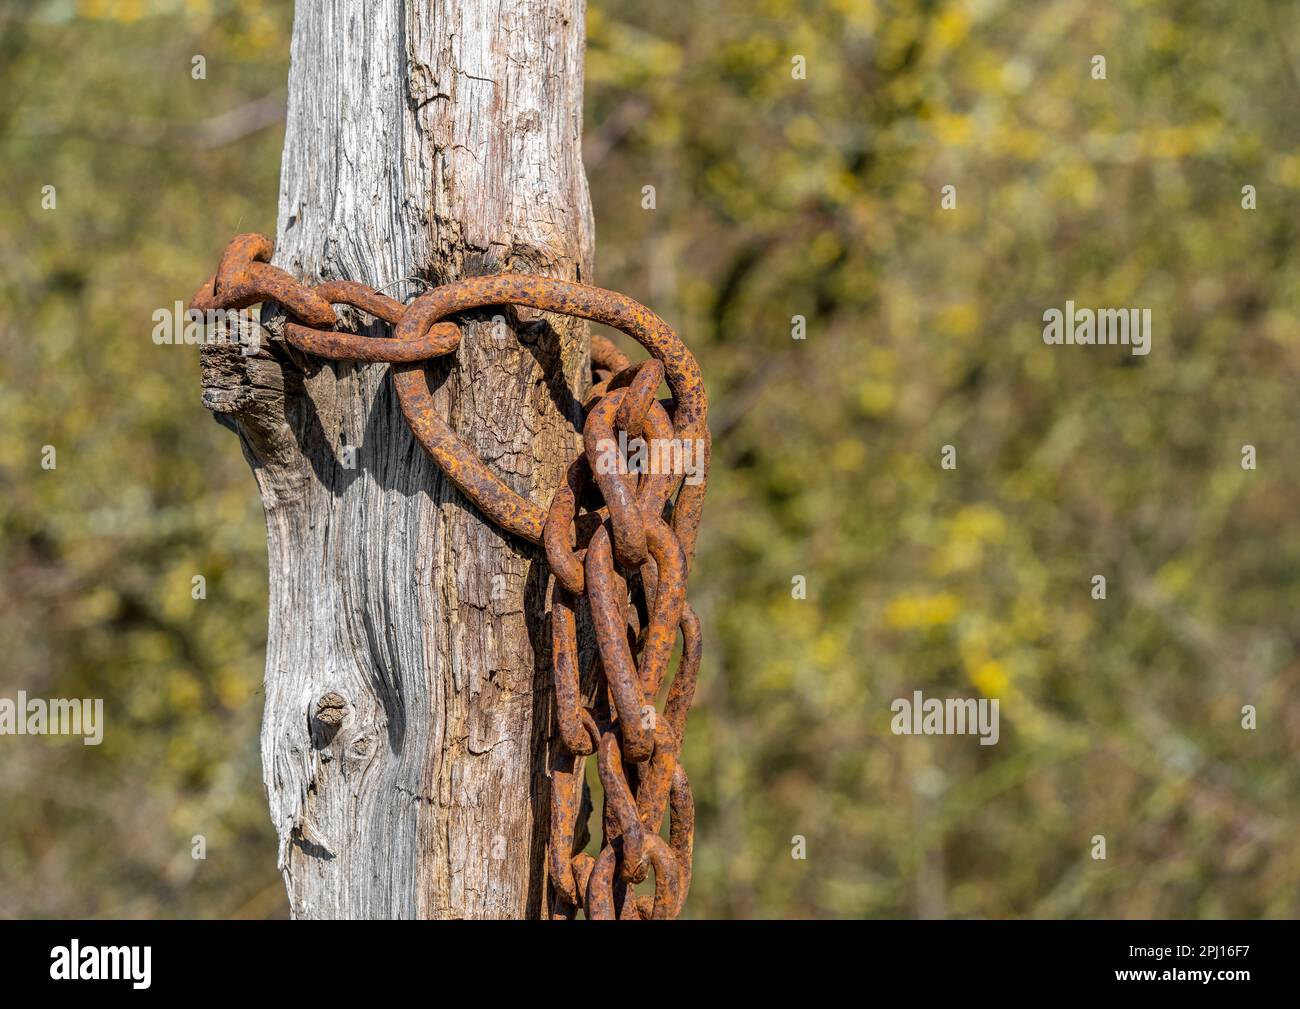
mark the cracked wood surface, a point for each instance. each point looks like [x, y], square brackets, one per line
[407, 682]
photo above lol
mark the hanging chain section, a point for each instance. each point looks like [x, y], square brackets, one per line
[619, 535]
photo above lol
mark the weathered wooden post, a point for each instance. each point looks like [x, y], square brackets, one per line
[402, 744]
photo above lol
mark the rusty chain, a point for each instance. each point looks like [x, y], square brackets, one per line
[629, 557]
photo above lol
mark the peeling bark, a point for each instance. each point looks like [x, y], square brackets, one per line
[407, 688]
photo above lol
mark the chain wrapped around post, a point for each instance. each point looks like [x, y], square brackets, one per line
[628, 556]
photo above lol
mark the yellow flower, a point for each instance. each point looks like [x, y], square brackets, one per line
[953, 131]
[911, 611]
[875, 398]
[959, 320]
[991, 678]
[951, 27]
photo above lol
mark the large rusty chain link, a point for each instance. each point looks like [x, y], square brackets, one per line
[622, 540]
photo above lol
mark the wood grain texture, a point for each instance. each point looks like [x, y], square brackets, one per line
[407, 687]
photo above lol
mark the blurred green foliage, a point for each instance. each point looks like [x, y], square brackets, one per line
[775, 197]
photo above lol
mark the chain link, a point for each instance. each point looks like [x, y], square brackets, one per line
[628, 556]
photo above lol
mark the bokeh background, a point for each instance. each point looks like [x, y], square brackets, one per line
[776, 197]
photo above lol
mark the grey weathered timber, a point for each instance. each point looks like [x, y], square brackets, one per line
[407, 692]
